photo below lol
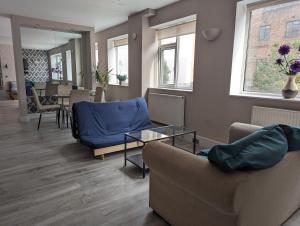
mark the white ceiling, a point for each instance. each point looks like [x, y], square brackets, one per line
[44, 39]
[33, 38]
[100, 14]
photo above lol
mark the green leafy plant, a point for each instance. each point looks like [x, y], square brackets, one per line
[102, 77]
[121, 78]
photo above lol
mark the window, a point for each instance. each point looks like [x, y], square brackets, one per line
[96, 53]
[118, 60]
[56, 66]
[264, 33]
[122, 60]
[292, 29]
[176, 56]
[253, 69]
[69, 65]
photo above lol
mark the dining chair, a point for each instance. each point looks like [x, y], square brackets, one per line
[64, 90]
[40, 85]
[45, 108]
[63, 93]
[51, 89]
[75, 97]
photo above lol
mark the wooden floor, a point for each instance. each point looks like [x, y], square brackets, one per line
[3, 94]
[46, 178]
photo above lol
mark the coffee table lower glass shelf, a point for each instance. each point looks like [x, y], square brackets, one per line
[154, 134]
[137, 160]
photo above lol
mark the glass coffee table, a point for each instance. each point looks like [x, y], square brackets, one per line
[154, 134]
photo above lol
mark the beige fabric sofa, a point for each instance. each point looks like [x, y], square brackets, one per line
[186, 190]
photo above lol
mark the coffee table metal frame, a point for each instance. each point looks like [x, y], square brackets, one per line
[137, 159]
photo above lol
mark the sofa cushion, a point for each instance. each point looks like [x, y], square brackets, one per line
[260, 150]
[104, 124]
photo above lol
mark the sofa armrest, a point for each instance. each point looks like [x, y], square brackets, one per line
[239, 130]
[194, 175]
[272, 195]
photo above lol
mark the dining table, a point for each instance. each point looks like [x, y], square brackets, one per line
[62, 102]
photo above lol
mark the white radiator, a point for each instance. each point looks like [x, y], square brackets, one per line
[166, 109]
[263, 116]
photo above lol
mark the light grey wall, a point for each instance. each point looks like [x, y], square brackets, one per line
[78, 62]
[209, 108]
[149, 57]
[7, 57]
[115, 92]
[141, 55]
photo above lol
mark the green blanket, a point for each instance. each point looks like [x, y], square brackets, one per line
[260, 150]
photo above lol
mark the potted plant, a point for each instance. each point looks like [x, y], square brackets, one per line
[102, 77]
[290, 67]
[121, 78]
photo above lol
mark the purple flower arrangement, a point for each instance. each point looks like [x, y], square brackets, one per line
[56, 70]
[289, 67]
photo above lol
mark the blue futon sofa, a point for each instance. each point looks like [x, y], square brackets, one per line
[101, 126]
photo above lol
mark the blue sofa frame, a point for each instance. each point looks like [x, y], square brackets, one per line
[101, 126]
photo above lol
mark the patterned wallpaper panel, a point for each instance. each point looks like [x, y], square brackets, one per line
[37, 65]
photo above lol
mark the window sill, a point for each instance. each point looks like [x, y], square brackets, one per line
[115, 85]
[265, 97]
[175, 90]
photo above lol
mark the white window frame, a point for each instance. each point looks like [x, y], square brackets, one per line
[176, 65]
[96, 53]
[62, 66]
[241, 37]
[160, 51]
[263, 27]
[293, 35]
[69, 66]
[117, 60]
[112, 57]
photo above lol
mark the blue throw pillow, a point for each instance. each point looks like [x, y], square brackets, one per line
[293, 136]
[260, 150]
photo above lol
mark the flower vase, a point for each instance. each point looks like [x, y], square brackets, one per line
[291, 89]
[103, 96]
